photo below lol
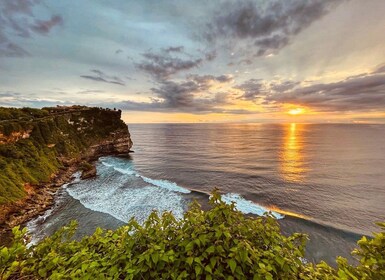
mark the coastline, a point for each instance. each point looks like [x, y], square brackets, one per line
[39, 199]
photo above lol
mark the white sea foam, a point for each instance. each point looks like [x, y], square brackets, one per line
[123, 193]
[247, 206]
[165, 184]
[125, 171]
[125, 167]
[126, 203]
[34, 225]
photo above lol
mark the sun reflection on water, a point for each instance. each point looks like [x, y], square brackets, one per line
[292, 159]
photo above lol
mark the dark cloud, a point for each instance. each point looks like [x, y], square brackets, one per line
[9, 49]
[252, 89]
[163, 65]
[356, 93]
[206, 79]
[45, 26]
[283, 86]
[118, 51]
[182, 95]
[269, 25]
[178, 49]
[210, 56]
[100, 76]
[244, 61]
[17, 19]
[191, 95]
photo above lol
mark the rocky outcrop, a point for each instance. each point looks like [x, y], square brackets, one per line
[90, 173]
[61, 139]
[119, 143]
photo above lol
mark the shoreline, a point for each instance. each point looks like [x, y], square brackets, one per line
[39, 199]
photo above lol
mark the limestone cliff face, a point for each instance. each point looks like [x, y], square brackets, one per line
[36, 144]
[118, 143]
[41, 149]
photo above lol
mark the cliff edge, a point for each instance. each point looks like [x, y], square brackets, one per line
[41, 148]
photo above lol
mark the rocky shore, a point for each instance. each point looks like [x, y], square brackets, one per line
[41, 197]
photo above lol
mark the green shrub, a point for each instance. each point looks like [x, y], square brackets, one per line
[220, 243]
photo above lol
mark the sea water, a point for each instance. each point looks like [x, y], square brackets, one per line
[324, 180]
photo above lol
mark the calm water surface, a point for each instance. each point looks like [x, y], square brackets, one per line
[324, 180]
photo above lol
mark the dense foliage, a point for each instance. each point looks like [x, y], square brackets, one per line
[49, 135]
[220, 243]
[24, 113]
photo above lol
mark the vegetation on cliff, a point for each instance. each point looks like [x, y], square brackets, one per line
[34, 143]
[220, 243]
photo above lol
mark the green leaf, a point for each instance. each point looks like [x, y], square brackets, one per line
[198, 270]
[232, 265]
[208, 269]
[155, 257]
[210, 249]
[190, 260]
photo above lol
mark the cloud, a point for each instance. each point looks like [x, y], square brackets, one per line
[14, 99]
[162, 65]
[9, 49]
[268, 26]
[197, 94]
[207, 79]
[18, 20]
[252, 89]
[45, 26]
[211, 55]
[178, 49]
[362, 92]
[90, 91]
[9, 94]
[379, 69]
[100, 76]
[188, 94]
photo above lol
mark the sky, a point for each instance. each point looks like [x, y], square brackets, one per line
[273, 61]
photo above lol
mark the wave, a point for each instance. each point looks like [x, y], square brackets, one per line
[34, 226]
[247, 206]
[125, 167]
[126, 203]
[121, 192]
[165, 184]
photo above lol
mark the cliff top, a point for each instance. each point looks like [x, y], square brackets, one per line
[12, 114]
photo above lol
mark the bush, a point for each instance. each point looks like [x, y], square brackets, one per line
[220, 243]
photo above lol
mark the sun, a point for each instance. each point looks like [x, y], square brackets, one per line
[296, 111]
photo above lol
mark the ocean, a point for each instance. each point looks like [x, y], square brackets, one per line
[326, 180]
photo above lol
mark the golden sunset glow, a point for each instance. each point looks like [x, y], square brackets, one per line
[296, 111]
[292, 158]
[287, 213]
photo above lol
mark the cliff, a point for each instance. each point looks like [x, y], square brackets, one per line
[40, 149]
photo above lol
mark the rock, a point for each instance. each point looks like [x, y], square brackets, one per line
[86, 174]
[118, 143]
